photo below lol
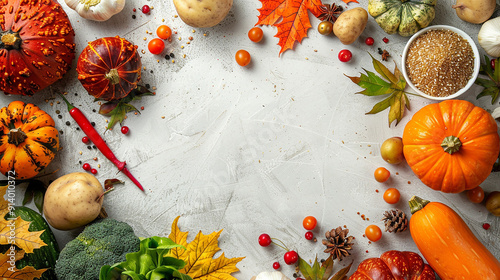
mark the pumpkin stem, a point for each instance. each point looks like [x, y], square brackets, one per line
[451, 144]
[102, 214]
[16, 136]
[416, 203]
[113, 76]
[10, 40]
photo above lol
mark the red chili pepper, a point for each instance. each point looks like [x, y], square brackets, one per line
[94, 136]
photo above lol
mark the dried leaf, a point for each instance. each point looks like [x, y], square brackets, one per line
[349, 1]
[24, 239]
[9, 271]
[392, 84]
[109, 183]
[342, 273]
[294, 16]
[199, 254]
[491, 86]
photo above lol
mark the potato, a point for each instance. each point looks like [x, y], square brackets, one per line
[350, 24]
[202, 13]
[73, 200]
[475, 11]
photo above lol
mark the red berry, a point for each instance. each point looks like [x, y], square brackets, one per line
[345, 55]
[125, 129]
[291, 257]
[486, 226]
[385, 40]
[146, 9]
[85, 139]
[93, 171]
[276, 265]
[134, 10]
[369, 41]
[492, 63]
[309, 235]
[86, 167]
[265, 240]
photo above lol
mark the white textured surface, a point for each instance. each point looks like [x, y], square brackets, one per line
[253, 150]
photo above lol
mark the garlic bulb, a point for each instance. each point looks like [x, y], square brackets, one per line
[98, 10]
[496, 114]
[489, 37]
[275, 275]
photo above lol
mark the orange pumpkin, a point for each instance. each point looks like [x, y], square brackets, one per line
[37, 45]
[28, 140]
[394, 265]
[447, 243]
[109, 68]
[452, 145]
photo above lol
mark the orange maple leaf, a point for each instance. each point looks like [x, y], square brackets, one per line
[349, 1]
[294, 17]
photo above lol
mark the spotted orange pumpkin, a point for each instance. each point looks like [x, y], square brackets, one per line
[28, 140]
[37, 45]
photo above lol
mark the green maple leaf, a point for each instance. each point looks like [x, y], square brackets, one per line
[388, 83]
[118, 109]
[491, 86]
[323, 271]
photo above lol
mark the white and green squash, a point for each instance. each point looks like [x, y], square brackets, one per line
[405, 17]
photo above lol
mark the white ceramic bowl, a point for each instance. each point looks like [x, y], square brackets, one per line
[477, 61]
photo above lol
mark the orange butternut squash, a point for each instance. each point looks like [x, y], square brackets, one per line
[448, 244]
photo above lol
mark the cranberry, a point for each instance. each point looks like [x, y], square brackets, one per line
[85, 139]
[125, 129]
[492, 63]
[345, 55]
[309, 235]
[265, 240]
[291, 257]
[146, 9]
[86, 167]
[486, 226]
[385, 40]
[276, 265]
[93, 171]
[369, 41]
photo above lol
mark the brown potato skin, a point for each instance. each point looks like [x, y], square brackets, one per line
[350, 24]
[202, 13]
[475, 11]
[72, 201]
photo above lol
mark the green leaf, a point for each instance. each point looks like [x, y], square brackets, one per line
[383, 71]
[38, 199]
[118, 109]
[393, 86]
[327, 267]
[491, 86]
[316, 272]
[342, 273]
[306, 270]
[381, 106]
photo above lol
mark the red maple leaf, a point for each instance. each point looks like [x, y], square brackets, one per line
[294, 19]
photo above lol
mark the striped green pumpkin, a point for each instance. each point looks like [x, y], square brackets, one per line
[405, 17]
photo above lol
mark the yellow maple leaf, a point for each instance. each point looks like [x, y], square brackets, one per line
[8, 271]
[15, 231]
[199, 254]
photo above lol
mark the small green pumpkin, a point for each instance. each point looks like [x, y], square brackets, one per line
[405, 17]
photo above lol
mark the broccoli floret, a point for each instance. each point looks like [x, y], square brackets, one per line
[106, 241]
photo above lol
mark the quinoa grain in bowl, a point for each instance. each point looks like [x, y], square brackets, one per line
[439, 62]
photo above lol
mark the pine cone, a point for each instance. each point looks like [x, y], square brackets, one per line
[337, 243]
[395, 221]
